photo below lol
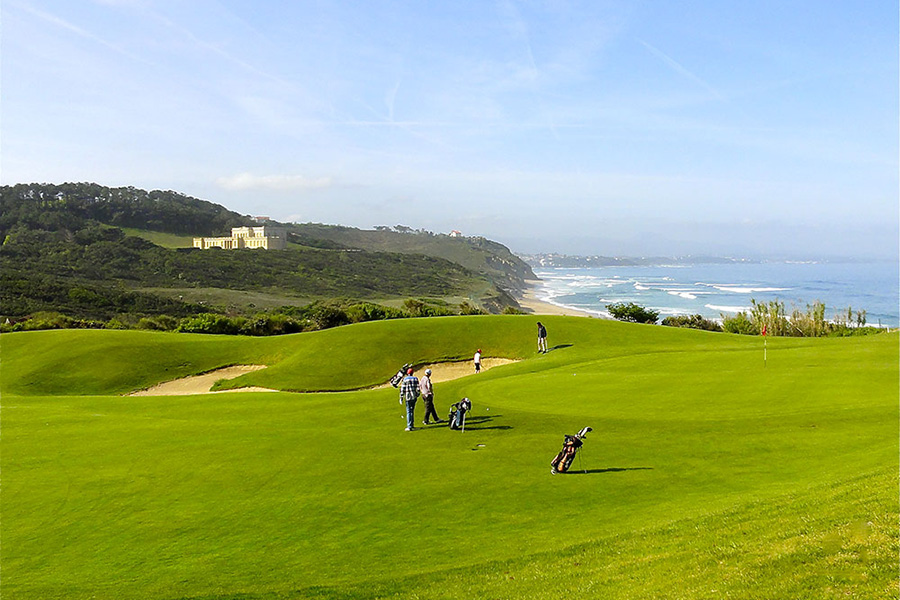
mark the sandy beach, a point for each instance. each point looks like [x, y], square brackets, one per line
[530, 301]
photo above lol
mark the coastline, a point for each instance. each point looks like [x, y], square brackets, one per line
[529, 300]
[712, 290]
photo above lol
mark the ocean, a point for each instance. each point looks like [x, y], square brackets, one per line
[713, 290]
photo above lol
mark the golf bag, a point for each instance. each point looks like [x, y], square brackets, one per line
[457, 416]
[571, 445]
[398, 378]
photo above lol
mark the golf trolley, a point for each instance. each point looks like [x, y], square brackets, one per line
[571, 445]
[457, 416]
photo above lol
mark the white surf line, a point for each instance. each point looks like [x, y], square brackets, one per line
[202, 384]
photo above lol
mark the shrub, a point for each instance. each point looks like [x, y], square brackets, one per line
[771, 316]
[148, 323]
[512, 310]
[51, 320]
[811, 323]
[465, 308]
[367, 311]
[692, 322]
[418, 308]
[269, 324]
[739, 323]
[207, 323]
[632, 312]
[324, 316]
[158, 323]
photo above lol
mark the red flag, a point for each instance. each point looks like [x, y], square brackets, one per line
[764, 329]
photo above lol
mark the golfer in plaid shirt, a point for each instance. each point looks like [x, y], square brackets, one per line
[409, 393]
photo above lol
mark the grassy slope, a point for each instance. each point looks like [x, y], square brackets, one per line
[166, 240]
[451, 249]
[707, 473]
[478, 255]
[457, 250]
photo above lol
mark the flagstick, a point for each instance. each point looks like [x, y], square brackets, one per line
[765, 351]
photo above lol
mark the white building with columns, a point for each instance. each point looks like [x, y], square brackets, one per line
[266, 237]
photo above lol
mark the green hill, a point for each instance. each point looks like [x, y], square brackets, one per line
[707, 475]
[478, 254]
[90, 251]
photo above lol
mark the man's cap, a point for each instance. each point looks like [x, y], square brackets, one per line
[409, 371]
[428, 371]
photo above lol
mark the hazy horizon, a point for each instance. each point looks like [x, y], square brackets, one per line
[590, 128]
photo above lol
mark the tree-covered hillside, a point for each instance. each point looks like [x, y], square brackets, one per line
[71, 206]
[63, 249]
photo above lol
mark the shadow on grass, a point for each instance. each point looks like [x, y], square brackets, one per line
[559, 347]
[483, 423]
[607, 470]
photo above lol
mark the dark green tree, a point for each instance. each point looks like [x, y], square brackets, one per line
[631, 312]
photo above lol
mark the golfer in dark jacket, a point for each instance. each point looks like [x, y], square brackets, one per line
[409, 393]
[542, 338]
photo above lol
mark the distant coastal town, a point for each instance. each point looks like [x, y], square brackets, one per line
[573, 261]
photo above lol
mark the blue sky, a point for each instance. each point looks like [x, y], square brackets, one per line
[618, 128]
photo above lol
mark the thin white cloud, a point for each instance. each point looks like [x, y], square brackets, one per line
[72, 28]
[680, 69]
[127, 3]
[283, 183]
[532, 74]
[389, 100]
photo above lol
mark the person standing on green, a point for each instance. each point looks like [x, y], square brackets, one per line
[428, 396]
[542, 338]
[409, 393]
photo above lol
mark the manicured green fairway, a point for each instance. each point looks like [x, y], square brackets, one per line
[708, 475]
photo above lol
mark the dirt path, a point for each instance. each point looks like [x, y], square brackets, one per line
[202, 384]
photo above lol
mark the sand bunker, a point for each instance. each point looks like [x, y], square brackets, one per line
[202, 384]
[446, 371]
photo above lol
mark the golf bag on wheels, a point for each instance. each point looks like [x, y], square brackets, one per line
[571, 445]
[398, 378]
[457, 416]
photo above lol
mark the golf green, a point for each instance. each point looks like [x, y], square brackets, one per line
[709, 473]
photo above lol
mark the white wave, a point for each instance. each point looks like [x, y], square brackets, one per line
[729, 309]
[685, 295]
[594, 283]
[736, 289]
[638, 286]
